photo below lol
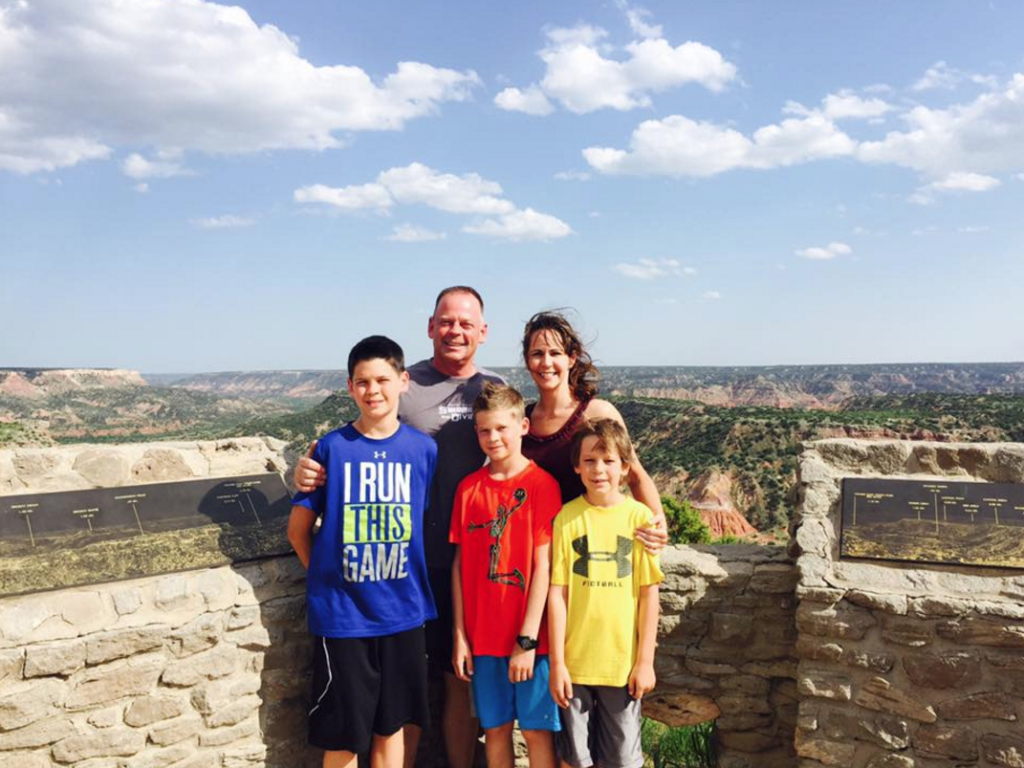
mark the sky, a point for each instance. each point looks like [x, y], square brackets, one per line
[187, 186]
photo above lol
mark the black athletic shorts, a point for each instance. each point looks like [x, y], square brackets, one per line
[364, 686]
[439, 631]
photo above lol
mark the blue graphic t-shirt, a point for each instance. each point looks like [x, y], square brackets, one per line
[367, 574]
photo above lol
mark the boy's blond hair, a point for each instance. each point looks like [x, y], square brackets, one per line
[499, 397]
[610, 434]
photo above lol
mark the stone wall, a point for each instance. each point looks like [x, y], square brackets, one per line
[81, 466]
[205, 668]
[806, 663]
[904, 665]
[726, 650]
[210, 667]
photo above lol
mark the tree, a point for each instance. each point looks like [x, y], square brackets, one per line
[685, 525]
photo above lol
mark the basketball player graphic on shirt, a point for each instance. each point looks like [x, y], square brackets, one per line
[496, 527]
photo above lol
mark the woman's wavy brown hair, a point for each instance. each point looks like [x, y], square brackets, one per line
[584, 376]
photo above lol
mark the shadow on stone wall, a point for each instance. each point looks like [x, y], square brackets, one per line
[726, 650]
[277, 632]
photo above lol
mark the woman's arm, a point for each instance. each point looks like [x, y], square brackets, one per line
[655, 536]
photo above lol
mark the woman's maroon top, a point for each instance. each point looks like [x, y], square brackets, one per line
[552, 452]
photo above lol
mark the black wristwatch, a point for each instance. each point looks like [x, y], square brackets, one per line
[526, 642]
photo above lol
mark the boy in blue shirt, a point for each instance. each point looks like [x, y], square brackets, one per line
[360, 536]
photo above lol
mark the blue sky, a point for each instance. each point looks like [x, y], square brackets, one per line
[186, 186]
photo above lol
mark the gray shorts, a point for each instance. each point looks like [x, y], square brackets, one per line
[601, 726]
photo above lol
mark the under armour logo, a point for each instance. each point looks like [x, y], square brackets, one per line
[622, 557]
[380, 454]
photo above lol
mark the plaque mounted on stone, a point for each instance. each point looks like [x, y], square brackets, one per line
[933, 521]
[56, 540]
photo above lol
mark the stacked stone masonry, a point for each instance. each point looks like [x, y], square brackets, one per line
[904, 665]
[803, 659]
[195, 670]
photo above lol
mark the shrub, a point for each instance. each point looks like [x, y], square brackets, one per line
[685, 525]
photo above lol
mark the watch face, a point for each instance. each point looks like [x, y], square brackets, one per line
[526, 643]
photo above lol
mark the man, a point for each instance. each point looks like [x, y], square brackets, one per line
[440, 403]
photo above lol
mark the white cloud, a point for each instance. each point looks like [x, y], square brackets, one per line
[532, 101]
[846, 104]
[966, 142]
[142, 188]
[651, 269]
[954, 182]
[188, 74]
[227, 221]
[407, 233]
[842, 105]
[581, 34]
[637, 17]
[678, 146]
[942, 76]
[135, 166]
[938, 75]
[526, 224]
[971, 230]
[353, 198]
[983, 136]
[830, 251]
[711, 296]
[417, 184]
[582, 78]
[965, 182]
[594, 214]
[469, 193]
[572, 176]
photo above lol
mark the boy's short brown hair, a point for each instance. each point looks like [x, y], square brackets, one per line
[610, 434]
[499, 397]
[374, 347]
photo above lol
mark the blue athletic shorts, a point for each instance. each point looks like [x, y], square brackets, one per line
[498, 701]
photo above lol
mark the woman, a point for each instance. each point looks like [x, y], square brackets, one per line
[566, 379]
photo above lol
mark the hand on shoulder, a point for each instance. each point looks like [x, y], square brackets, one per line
[602, 409]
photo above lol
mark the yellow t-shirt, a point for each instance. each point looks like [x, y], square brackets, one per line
[595, 555]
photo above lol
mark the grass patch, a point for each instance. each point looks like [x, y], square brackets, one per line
[687, 747]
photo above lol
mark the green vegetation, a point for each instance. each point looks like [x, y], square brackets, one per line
[727, 539]
[129, 414]
[685, 525]
[758, 446]
[300, 429]
[15, 433]
[686, 747]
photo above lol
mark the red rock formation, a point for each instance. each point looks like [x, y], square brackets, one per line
[711, 494]
[727, 522]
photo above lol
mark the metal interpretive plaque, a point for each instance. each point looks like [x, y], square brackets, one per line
[933, 521]
[57, 540]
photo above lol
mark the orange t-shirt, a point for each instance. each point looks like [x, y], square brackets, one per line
[498, 524]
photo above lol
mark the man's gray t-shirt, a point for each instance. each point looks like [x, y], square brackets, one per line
[442, 406]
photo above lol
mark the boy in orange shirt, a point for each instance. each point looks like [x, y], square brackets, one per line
[501, 524]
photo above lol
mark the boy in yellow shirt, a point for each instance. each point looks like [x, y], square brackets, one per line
[602, 608]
